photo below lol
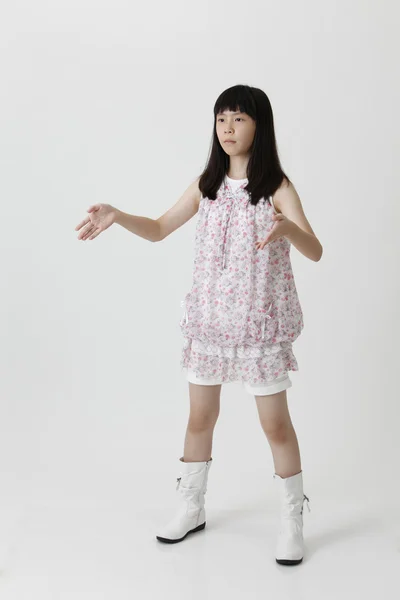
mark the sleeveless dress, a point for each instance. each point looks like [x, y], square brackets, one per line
[242, 313]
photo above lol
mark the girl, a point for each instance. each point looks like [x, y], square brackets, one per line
[242, 313]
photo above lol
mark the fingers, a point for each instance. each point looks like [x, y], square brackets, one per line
[87, 233]
[82, 223]
[96, 233]
[268, 238]
[91, 231]
[272, 232]
[261, 245]
[83, 234]
[264, 243]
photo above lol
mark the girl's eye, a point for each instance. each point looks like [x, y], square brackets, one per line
[220, 119]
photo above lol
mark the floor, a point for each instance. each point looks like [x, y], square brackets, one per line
[91, 551]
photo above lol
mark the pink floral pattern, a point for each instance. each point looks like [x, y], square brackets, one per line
[242, 313]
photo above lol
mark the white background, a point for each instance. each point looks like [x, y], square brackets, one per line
[112, 102]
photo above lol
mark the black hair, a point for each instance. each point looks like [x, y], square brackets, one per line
[264, 171]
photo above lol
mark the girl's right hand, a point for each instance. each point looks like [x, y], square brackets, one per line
[101, 217]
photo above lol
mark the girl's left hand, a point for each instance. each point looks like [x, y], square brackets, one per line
[282, 227]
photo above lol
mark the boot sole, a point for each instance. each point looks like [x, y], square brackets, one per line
[168, 541]
[284, 561]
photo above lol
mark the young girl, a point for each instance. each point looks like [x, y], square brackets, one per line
[242, 313]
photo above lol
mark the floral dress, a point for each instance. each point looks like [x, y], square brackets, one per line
[242, 313]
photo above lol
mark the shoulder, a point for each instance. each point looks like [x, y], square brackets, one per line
[286, 195]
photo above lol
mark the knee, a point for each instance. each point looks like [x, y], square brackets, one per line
[202, 421]
[278, 431]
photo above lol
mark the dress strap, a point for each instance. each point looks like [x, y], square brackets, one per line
[273, 205]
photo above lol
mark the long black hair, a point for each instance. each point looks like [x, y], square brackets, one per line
[264, 171]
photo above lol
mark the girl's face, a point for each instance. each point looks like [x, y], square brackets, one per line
[235, 126]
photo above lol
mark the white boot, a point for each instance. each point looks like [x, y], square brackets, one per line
[190, 516]
[290, 545]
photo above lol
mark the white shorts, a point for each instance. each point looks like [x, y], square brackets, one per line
[260, 389]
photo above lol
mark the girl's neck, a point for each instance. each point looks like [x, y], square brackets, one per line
[238, 178]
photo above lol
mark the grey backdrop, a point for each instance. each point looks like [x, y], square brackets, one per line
[112, 102]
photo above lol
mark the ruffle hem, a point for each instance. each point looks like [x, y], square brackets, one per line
[258, 365]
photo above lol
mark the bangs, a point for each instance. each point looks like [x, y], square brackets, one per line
[236, 98]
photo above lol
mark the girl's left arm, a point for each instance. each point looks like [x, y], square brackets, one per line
[300, 234]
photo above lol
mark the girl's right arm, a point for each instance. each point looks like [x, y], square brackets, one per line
[103, 215]
[156, 230]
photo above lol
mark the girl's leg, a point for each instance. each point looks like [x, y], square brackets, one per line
[277, 425]
[195, 464]
[204, 412]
